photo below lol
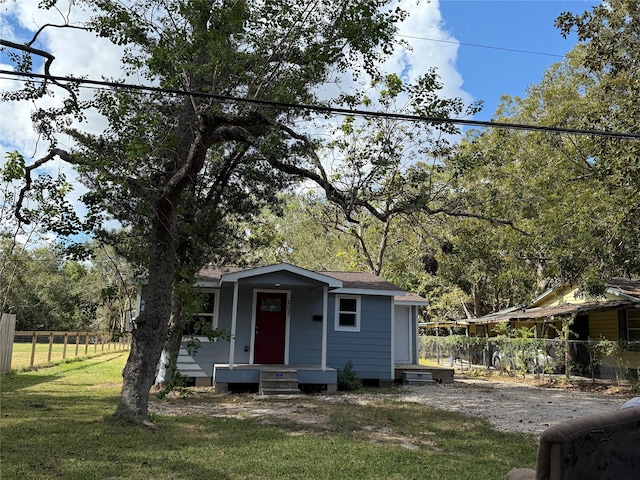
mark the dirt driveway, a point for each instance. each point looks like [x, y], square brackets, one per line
[509, 406]
[517, 407]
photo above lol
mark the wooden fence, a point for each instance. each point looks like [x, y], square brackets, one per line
[7, 327]
[56, 346]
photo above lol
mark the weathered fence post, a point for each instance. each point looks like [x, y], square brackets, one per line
[33, 349]
[64, 349]
[50, 346]
[7, 330]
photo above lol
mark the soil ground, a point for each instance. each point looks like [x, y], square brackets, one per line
[522, 405]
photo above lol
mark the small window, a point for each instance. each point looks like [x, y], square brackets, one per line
[347, 313]
[270, 304]
[633, 325]
[200, 324]
[481, 331]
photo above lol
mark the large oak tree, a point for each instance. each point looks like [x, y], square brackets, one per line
[158, 148]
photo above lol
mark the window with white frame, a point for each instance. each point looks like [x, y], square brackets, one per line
[200, 325]
[633, 324]
[347, 313]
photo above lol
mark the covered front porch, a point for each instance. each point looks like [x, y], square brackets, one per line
[299, 327]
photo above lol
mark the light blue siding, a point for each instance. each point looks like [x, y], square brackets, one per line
[414, 330]
[243, 325]
[369, 349]
[305, 347]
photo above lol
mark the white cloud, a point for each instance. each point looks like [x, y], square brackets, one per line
[77, 53]
[422, 27]
[82, 54]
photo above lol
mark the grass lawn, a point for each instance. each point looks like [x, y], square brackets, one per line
[21, 354]
[56, 424]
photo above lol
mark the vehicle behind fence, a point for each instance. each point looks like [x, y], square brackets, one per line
[595, 359]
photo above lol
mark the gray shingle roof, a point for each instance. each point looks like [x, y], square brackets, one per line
[350, 280]
[356, 280]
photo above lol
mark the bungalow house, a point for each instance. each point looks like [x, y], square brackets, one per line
[614, 316]
[293, 327]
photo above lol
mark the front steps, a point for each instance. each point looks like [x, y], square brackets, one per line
[278, 381]
[438, 374]
[417, 378]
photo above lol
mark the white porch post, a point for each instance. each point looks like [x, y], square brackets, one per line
[234, 320]
[325, 309]
[413, 335]
[393, 339]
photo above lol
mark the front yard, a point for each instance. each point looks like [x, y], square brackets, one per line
[56, 424]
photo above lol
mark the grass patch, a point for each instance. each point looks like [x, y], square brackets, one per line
[56, 424]
[21, 354]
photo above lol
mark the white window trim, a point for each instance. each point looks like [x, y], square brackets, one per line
[342, 328]
[214, 315]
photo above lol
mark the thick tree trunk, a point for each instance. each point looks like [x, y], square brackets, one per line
[150, 330]
[172, 345]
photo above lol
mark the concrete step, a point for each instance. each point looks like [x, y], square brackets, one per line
[416, 377]
[279, 381]
[280, 391]
[279, 374]
[282, 383]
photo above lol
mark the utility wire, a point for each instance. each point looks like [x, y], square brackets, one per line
[489, 47]
[330, 110]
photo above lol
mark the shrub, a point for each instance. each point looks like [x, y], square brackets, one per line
[347, 380]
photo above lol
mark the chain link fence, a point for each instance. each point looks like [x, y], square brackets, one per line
[595, 359]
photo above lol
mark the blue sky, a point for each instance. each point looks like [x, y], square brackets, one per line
[506, 25]
[471, 72]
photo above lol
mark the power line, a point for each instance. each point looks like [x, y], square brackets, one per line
[328, 109]
[489, 47]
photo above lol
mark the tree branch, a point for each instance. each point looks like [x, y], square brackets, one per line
[56, 152]
[27, 48]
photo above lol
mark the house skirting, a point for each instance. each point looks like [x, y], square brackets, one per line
[224, 375]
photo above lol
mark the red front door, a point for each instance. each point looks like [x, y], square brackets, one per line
[271, 321]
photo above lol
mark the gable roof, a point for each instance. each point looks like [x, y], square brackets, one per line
[215, 276]
[339, 282]
[281, 267]
[617, 287]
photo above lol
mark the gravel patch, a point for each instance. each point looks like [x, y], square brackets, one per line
[513, 407]
[507, 405]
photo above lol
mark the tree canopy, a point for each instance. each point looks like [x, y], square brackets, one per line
[183, 166]
[163, 155]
